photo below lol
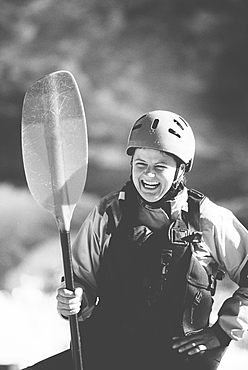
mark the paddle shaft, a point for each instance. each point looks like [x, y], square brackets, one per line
[61, 200]
[67, 261]
[63, 217]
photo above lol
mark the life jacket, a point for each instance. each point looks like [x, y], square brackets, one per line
[151, 282]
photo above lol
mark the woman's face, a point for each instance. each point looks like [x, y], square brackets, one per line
[153, 173]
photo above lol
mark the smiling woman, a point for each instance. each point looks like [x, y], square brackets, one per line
[146, 261]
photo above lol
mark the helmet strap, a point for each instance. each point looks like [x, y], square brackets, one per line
[177, 184]
[179, 174]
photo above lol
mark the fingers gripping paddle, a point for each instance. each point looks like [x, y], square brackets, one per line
[55, 157]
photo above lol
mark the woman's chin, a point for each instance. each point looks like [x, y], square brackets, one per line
[149, 197]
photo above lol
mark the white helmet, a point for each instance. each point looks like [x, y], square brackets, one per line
[166, 131]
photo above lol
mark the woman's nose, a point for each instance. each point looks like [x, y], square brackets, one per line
[150, 173]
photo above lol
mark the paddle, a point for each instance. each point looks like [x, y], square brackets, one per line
[55, 158]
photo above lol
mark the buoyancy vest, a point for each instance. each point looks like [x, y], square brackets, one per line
[150, 281]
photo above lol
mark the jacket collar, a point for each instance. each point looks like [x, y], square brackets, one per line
[162, 213]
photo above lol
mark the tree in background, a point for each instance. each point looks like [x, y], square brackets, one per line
[129, 57]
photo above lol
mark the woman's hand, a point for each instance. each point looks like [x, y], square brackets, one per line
[196, 342]
[68, 302]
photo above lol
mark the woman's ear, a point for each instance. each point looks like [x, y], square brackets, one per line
[182, 167]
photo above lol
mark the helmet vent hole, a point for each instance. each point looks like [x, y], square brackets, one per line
[155, 124]
[179, 124]
[139, 125]
[171, 131]
[186, 124]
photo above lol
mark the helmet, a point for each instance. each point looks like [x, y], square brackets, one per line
[165, 131]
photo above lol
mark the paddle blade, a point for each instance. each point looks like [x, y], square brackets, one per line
[55, 144]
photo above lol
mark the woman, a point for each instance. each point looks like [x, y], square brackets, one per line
[146, 261]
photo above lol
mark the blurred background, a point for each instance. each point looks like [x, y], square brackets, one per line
[128, 57]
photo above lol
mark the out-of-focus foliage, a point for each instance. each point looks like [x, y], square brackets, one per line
[26, 226]
[129, 57]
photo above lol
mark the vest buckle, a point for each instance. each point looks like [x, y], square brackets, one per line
[194, 237]
[178, 235]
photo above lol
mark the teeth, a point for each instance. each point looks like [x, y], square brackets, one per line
[150, 184]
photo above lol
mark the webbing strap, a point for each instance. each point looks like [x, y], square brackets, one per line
[194, 200]
[243, 282]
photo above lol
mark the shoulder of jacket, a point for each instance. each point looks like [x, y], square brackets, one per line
[109, 208]
[214, 213]
[109, 200]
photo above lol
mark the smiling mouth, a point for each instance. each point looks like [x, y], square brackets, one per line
[150, 185]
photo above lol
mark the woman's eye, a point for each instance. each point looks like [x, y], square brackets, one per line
[160, 168]
[140, 164]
